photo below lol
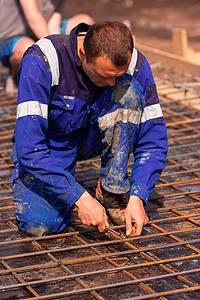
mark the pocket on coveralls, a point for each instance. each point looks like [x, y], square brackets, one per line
[61, 113]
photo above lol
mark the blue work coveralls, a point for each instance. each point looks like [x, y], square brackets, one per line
[62, 116]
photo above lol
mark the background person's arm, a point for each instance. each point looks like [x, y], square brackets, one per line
[54, 23]
[34, 18]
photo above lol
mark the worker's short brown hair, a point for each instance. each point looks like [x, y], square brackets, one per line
[111, 39]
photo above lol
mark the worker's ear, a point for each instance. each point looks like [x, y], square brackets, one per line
[81, 53]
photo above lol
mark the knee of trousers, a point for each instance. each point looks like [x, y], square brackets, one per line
[31, 229]
[39, 227]
[39, 213]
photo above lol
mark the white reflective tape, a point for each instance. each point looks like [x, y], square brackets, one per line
[69, 97]
[133, 62]
[48, 49]
[151, 112]
[121, 114]
[32, 108]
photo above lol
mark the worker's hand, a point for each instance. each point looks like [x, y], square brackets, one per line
[135, 213]
[91, 212]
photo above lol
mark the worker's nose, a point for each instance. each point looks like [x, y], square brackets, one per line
[111, 81]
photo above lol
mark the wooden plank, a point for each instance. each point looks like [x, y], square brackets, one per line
[170, 60]
[180, 41]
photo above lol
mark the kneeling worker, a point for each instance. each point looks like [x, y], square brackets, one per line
[79, 96]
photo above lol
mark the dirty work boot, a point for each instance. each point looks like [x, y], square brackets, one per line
[115, 204]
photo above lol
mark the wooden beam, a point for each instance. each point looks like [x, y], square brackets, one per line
[180, 41]
[170, 60]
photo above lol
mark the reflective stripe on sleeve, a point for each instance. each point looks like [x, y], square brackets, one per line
[151, 112]
[48, 49]
[121, 114]
[33, 108]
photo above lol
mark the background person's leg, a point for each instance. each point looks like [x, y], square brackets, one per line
[68, 24]
[18, 51]
[11, 52]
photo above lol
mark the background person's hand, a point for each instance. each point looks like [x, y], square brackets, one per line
[135, 213]
[91, 212]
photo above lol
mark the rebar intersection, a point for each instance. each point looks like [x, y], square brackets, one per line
[163, 263]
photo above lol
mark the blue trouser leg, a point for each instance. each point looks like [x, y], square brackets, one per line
[119, 111]
[39, 212]
[112, 143]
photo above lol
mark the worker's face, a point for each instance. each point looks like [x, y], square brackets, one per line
[102, 72]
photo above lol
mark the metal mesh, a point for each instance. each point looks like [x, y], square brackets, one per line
[163, 263]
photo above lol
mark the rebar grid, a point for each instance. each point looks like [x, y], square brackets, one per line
[163, 263]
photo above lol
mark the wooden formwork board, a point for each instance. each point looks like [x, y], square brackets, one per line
[170, 60]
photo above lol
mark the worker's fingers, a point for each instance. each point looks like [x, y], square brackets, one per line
[101, 227]
[138, 229]
[128, 221]
[135, 213]
[104, 223]
[91, 212]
